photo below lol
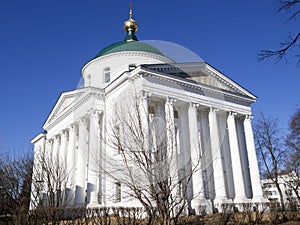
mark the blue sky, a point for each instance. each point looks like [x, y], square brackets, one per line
[44, 44]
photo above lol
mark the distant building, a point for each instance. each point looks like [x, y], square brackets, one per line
[287, 183]
[209, 114]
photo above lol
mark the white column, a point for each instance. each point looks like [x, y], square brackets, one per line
[47, 158]
[49, 146]
[55, 151]
[171, 146]
[62, 154]
[63, 148]
[80, 191]
[70, 165]
[93, 168]
[196, 157]
[195, 151]
[145, 117]
[218, 173]
[102, 160]
[144, 105]
[56, 166]
[38, 183]
[238, 181]
[253, 164]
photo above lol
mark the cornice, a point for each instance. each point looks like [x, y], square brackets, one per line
[226, 80]
[86, 95]
[199, 67]
[126, 54]
[37, 138]
[186, 83]
[62, 99]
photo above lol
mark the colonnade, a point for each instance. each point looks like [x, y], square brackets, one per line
[76, 150]
[232, 157]
[221, 153]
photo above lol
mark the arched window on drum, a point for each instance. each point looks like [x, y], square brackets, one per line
[106, 72]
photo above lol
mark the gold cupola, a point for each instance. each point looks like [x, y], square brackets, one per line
[130, 26]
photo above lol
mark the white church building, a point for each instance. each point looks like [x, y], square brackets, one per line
[203, 115]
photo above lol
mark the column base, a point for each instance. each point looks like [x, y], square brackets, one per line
[79, 198]
[259, 199]
[69, 197]
[241, 199]
[220, 204]
[202, 206]
[79, 205]
[258, 202]
[92, 198]
[241, 203]
[93, 205]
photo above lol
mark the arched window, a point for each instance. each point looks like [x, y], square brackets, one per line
[106, 75]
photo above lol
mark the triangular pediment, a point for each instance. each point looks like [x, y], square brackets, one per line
[203, 74]
[65, 101]
[205, 78]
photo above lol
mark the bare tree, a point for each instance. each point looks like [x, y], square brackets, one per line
[143, 159]
[49, 181]
[292, 42]
[271, 151]
[15, 181]
[293, 161]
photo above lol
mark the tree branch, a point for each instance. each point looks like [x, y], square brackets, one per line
[281, 53]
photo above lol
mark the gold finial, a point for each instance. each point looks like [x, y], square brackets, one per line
[130, 11]
[131, 24]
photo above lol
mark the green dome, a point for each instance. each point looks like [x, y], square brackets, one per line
[129, 46]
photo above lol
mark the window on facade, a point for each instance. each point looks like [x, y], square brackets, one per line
[118, 138]
[289, 192]
[182, 186]
[107, 75]
[117, 192]
[176, 115]
[151, 110]
[177, 140]
[88, 77]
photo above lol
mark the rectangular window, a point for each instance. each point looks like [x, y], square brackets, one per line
[117, 192]
[106, 75]
[117, 137]
[177, 140]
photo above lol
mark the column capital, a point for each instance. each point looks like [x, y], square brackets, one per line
[249, 117]
[57, 137]
[194, 105]
[145, 94]
[232, 113]
[213, 110]
[171, 100]
[83, 120]
[97, 95]
[64, 132]
[94, 112]
[72, 127]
